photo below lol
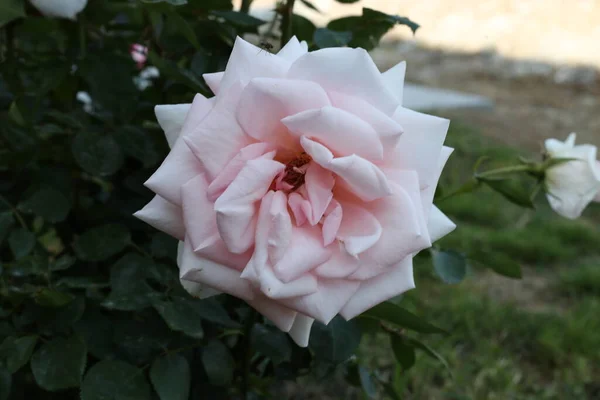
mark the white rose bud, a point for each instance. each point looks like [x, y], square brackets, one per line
[572, 185]
[60, 8]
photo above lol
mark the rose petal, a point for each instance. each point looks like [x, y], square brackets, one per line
[236, 207]
[395, 281]
[394, 79]
[170, 118]
[198, 290]
[428, 193]
[283, 317]
[348, 71]
[280, 231]
[248, 61]
[164, 216]
[300, 331]
[331, 223]
[198, 269]
[342, 132]
[293, 50]
[213, 80]
[420, 145]
[439, 225]
[359, 229]
[361, 176]
[340, 264]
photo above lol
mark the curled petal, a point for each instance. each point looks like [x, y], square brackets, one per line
[428, 193]
[283, 317]
[198, 290]
[332, 221]
[397, 280]
[342, 132]
[164, 216]
[348, 71]
[170, 118]
[300, 332]
[359, 229]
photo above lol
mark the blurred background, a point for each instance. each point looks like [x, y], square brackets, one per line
[535, 65]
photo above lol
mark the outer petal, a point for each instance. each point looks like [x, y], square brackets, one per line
[248, 61]
[361, 176]
[283, 317]
[342, 132]
[60, 8]
[265, 102]
[171, 118]
[420, 145]
[163, 216]
[348, 71]
[396, 281]
[236, 207]
[213, 80]
[300, 332]
[428, 193]
[293, 50]
[439, 224]
[198, 269]
[194, 288]
[394, 79]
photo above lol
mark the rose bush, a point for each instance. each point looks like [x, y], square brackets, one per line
[572, 185]
[303, 187]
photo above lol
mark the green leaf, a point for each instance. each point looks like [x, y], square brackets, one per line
[5, 383]
[11, 10]
[171, 2]
[63, 262]
[396, 315]
[303, 28]
[450, 266]
[173, 71]
[375, 15]
[59, 363]
[83, 282]
[16, 351]
[101, 242]
[347, 1]
[48, 203]
[335, 342]
[218, 363]
[324, 38]
[6, 222]
[163, 245]
[500, 263]
[21, 242]
[211, 310]
[271, 342]
[310, 5]
[137, 144]
[239, 19]
[428, 350]
[184, 28]
[367, 383]
[171, 377]
[179, 317]
[114, 380]
[97, 154]
[403, 351]
[48, 297]
[97, 330]
[510, 189]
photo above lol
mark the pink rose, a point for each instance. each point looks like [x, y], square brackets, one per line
[139, 54]
[303, 187]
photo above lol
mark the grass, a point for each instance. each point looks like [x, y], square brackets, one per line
[538, 338]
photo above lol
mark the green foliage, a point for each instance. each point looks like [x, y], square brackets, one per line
[449, 265]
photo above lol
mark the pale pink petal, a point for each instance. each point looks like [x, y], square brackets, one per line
[300, 208]
[394, 79]
[327, 301]
[340, 265]
[236, 208]
[359, 229]
[420, 145]
[439, 225]
[198, 290]
[200, 108]
[318, 183]
[233, 167]
[342, 132]
[283, 317]
[274, 288]
[198, 269]
[428, 193]
[397, 280]
[300, 332]
[293, 50]
[362, 177]
[164, 216]
[265, 102]
[213, 80]
[280, 232]
[304, 253]
[170, 118]
[332, 221]
[387, 129]
[180, 166]
[248, 61]
[348, 71]
[219, 137]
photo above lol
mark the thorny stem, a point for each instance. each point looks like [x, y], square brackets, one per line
[247, 353]
[286, 22]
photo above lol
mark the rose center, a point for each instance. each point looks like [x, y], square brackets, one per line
[292, 176]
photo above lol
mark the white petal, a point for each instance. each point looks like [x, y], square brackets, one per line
[164, 216]
[283, 317]
[394, 79]
[213, 80]
[293, 50]
[439, 224]
[171, 118]
[300, 332]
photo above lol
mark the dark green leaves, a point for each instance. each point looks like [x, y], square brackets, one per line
[374, 15]
[48, 297]
[21, 242]
[449, 265]
[396, 315]
[59, 364]
[180, 316]
[404, 353]
[239, 19]
[334, 342]
[218, 363]
[6, 221]
[170, 375]
[15, 352]
[511, 189]
[48, 203]
[11, 10]
[97, 154]
[114, 380]
[101, 242]
[135, 143]
[324, 38]
[500, 263]
[5, 383]
[271, 342]
[128, 280]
